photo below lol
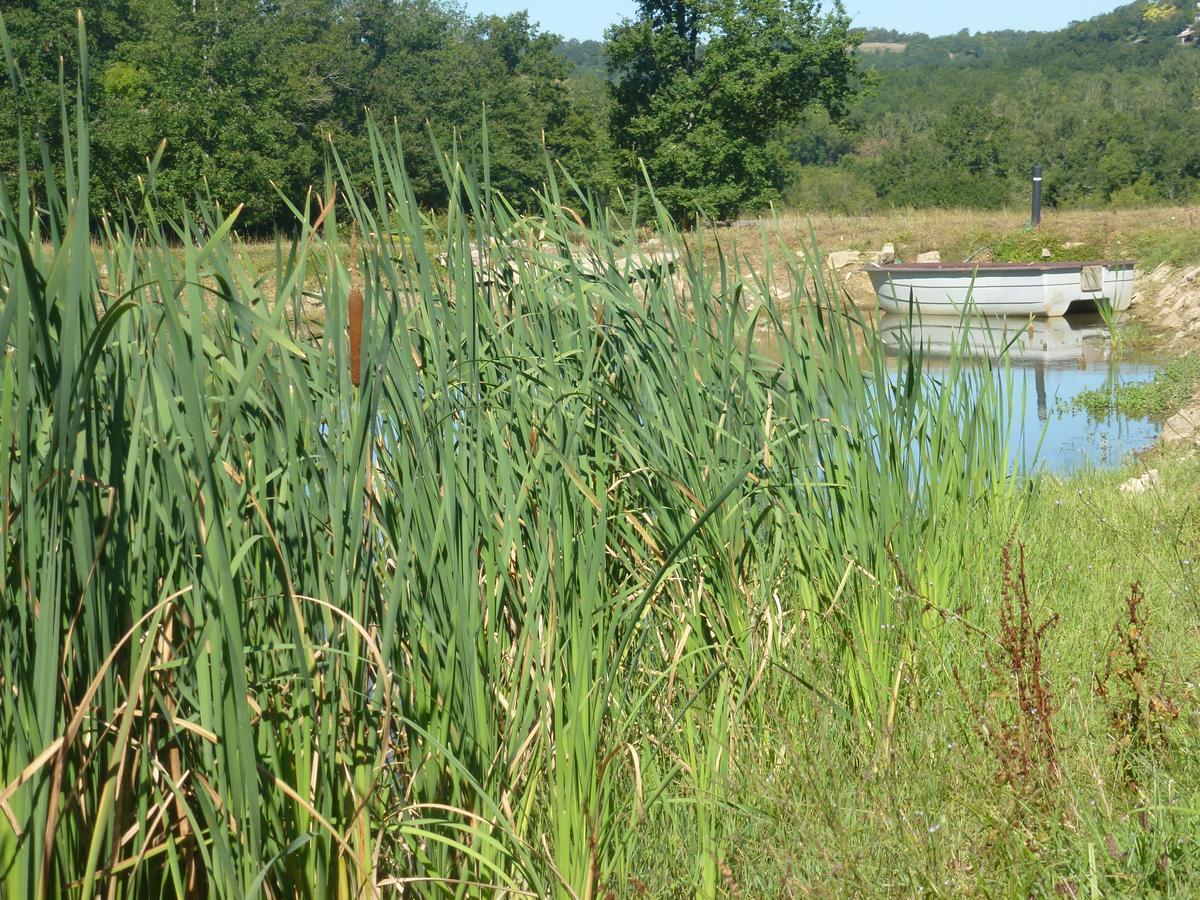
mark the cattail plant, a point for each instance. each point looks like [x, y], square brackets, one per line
[440, 600]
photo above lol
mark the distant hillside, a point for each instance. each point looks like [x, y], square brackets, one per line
[1137, 34]
[587, 56]
[1110, 106]
[937, 71]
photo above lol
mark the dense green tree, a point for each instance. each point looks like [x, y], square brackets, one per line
[588, 57]
[436, 72]
[43, 36]
[202, 77]
[701, 86]
[245, 94]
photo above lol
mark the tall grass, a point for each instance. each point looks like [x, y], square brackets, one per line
[464, 620]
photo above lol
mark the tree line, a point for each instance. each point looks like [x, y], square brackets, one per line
[251, 95]
[726, 105]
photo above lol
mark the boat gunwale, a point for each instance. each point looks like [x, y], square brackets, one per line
[969, 268]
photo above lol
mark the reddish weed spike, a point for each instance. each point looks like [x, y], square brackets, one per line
[1017, 719]
[1139, 718]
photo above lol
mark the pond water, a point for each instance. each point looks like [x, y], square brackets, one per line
[1051, 362]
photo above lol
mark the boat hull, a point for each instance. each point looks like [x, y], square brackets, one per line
[1050, 289]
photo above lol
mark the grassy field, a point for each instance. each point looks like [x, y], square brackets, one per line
[1152, 236]
[535, 578]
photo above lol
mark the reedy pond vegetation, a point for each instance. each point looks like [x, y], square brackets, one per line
[557, 585]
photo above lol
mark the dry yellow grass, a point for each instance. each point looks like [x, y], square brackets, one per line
[956, 232]
[1149, 235]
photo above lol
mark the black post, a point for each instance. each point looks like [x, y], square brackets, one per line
[1035, 218]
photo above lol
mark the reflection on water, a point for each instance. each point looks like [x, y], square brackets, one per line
[1052, 361]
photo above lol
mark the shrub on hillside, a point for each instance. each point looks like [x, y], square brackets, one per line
[830, 190]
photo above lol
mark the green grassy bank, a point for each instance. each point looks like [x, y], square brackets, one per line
[1163, 396]
[1109, 808]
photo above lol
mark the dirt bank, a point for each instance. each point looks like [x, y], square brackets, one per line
[1166, 310]
[1167, 306]
[1166, 303]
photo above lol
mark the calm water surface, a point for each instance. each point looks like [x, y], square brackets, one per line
[1052, 362]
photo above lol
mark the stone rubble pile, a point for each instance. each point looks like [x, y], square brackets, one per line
[499, 266]
[1141, 485]
[844, 259]
[1169, 299]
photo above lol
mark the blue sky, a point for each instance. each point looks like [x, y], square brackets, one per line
[589, 19]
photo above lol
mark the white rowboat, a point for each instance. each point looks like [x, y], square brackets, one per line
[1003, 289]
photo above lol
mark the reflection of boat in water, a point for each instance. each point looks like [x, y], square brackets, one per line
[1002, 289]
[1049, 362]
[1053, 342]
